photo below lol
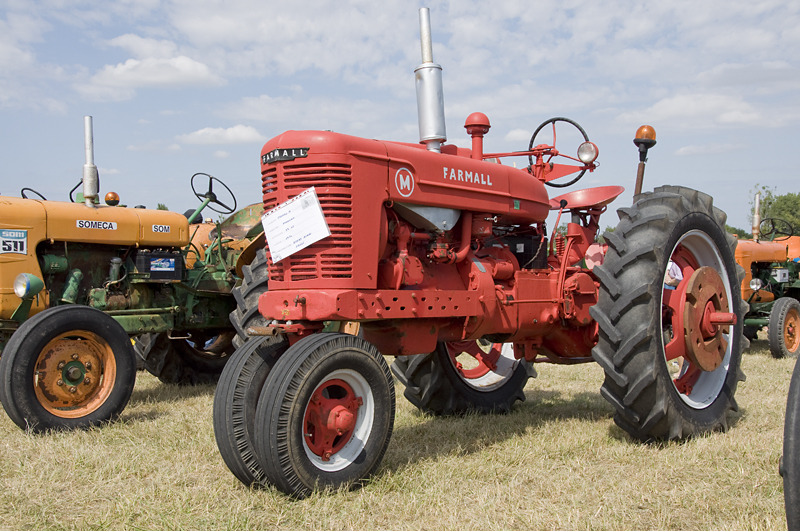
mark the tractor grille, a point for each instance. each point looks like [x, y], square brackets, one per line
[330, 257]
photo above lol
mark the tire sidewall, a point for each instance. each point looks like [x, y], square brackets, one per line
[286, 394]
[708, 416]
[777, 324]
[35, 334]
[237, 393]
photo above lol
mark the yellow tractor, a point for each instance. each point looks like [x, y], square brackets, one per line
[84, 287]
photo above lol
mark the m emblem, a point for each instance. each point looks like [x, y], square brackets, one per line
[404, 182]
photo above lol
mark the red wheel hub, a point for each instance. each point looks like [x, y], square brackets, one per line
[330, 417]
[487, 361]
[705, 315]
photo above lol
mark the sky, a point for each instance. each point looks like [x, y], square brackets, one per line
[178, 87]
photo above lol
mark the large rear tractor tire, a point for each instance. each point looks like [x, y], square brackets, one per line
[790, 462]
[235, 402]
[193, 360]
[255, 278]
[784, 328]
[67, 368]
[325, 415]
[647, 331]
[464, 376]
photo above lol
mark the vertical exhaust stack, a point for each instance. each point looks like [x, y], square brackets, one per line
[757, 217]
[430, 95]
[91, 182]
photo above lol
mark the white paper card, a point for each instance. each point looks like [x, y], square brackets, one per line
[294, 225]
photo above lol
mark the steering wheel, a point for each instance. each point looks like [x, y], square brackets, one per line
[212, 196]
[533, 143]
[22, 193]
[772, 227]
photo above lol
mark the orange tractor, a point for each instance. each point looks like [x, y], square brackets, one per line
[443, 256]
[79, 281]
[770, 285]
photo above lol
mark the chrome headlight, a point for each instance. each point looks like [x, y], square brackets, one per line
[587, 152]
[756, 284]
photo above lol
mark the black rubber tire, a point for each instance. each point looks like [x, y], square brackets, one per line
[235, 401]
[255, 278]
[435, 386]
[631, 345]
[785, 313]
[18, 369]
[179, 361]
[790, 463]
[280, 441]
[751, 332]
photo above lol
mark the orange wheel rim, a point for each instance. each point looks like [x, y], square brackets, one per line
[74, 374]
[791, 330]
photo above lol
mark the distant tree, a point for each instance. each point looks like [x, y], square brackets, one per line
[739, 233]
[599, 238]
[161, 206]
[782, 206]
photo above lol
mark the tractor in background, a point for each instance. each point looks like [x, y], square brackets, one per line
[442, 255]
[86, 287]
[771, 261]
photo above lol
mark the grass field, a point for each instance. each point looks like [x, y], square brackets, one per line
[556, 462]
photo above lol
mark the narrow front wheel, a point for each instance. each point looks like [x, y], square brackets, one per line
[325, 414]
[784, 328]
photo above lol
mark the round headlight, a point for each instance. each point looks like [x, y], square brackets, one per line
[22, 285]
[587, 152]
[756, 284]
[26, 286]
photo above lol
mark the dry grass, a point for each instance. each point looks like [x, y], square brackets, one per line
[557, 462]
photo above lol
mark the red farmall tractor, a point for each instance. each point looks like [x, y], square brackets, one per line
[442, 255]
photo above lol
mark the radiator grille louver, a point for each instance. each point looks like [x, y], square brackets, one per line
[331, 257]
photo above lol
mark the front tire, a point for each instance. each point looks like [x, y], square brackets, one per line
[325, 415]
[462, 376]
[66, 368]
[642, 337]
[784, 328]
[235, 402]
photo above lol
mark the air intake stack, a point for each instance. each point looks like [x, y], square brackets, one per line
[91, 182]
[430, 96]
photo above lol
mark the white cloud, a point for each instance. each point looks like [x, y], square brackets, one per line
[221, 154]
[697, 110]
[238, 134]
[154, 146]
[709, 149]
[119, 82]
[518, 135]
[142, 48]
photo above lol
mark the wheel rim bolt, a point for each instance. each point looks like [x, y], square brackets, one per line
[88, 365]
[87, 381]
[73, 389]
[74, 356]
[60, 382]
[61, 364]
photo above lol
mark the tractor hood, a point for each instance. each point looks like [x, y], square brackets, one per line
[75, 222]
